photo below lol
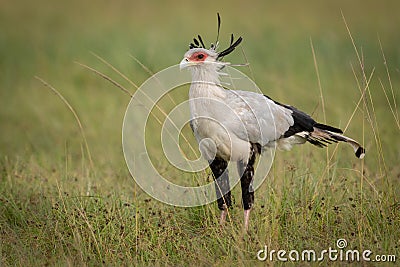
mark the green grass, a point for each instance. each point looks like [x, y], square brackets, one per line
[56, 208]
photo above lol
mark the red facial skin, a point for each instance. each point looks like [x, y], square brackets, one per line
[198, 57]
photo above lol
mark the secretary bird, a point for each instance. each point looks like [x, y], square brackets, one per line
[240, 124]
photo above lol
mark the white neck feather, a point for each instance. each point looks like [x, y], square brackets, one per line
[205, 82]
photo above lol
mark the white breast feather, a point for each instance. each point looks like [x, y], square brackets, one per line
[232, 119]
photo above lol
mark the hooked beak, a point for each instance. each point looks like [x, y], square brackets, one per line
[187, 63]
[184, 63]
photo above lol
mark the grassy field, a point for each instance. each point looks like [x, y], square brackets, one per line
[63, 205]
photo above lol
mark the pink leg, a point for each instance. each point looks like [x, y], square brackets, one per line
[246, 219]
[222, 219]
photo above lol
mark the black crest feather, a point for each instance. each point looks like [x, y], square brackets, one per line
[201, 41]
[219, 27]
[231, 47]
[198, 42]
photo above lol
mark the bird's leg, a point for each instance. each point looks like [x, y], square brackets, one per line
[246, 170]
[246, 219]
[222, 219]
[247, 191]
[222, 188]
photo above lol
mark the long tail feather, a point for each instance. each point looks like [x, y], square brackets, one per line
[322, 137]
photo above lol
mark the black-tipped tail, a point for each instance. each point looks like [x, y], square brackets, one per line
[360, 153]
[321, 137]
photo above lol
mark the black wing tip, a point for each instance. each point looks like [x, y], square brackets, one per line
[360, 153]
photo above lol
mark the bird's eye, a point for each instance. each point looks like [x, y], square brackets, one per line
[200, 56]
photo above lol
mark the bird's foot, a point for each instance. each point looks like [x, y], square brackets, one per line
[246, 219]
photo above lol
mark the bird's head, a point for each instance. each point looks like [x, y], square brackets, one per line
[199, 57]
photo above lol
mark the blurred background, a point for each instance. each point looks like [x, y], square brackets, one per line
[48, 38]
[41, 145]
[44, 38]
